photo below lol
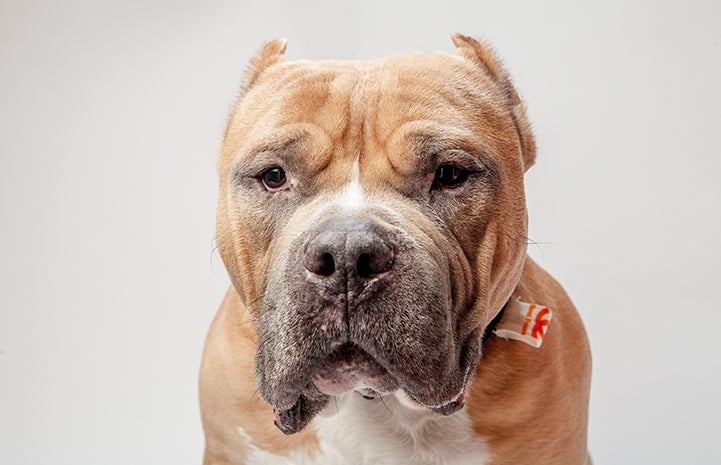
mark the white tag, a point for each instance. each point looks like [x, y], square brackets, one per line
[524, 322]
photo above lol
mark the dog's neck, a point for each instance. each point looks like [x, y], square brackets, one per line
[387, 429]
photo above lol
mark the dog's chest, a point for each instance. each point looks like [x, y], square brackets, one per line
[357, 431]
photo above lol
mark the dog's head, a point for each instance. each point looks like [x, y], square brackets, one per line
[372, 219]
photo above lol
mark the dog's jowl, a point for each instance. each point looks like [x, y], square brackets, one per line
[372, 219]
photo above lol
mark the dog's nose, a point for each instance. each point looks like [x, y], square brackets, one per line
[347, 255]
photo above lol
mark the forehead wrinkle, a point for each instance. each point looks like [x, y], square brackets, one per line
[335, 81]
[362, 103]
[426, 137]
[441, 88]
[341, 115]
[299, 92]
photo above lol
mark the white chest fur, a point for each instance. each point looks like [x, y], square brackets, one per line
[357, 431]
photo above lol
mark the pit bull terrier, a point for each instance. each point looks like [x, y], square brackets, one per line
[372, 219]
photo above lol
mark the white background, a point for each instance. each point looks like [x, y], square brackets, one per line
[110, 117]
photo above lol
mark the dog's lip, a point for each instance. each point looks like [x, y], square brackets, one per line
[338, 372]
[350, 367]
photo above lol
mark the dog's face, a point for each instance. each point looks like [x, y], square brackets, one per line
[372, 219]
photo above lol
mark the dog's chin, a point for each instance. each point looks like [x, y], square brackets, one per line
[349, 368]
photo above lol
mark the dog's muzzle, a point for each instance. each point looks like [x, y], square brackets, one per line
[358, 304]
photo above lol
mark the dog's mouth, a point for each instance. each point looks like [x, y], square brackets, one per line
[349, 367]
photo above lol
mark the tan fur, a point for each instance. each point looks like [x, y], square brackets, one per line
[530, 405]
[540, 395]
[270, 54]
[483, 53]
[228, 394]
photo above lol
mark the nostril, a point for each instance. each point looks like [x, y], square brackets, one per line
[326, 265]
[320, 263]
[364, 266]
[344, 253]
[376, 260]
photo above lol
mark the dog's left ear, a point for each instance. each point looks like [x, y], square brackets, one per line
[268, 55]
[483, 54]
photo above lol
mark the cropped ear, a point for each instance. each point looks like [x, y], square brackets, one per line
[269, 54]
[483, 54]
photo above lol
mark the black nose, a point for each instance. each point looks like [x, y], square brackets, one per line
[347, 254]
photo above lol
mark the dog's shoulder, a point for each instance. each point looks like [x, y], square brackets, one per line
[536, 392]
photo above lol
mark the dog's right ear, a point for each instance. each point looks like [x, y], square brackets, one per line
[482, 54]
[269, 54]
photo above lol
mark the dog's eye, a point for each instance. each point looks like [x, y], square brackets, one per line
[274, 179]
[449, 176]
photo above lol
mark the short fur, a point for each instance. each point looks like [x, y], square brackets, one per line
[416, 331]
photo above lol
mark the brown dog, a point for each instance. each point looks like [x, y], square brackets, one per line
[372, 219]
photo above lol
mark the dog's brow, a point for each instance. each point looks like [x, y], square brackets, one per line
[433, 143]
[432, 147]
[278, 145]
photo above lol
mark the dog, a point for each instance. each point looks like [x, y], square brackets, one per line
[383, 310]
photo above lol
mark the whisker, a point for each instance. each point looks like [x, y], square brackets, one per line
[337, 410]
[386, 406]
[256, 395]
[254, 301]
[214, 248]
[530, 241]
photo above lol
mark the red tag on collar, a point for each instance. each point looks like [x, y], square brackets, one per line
[524, 322]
